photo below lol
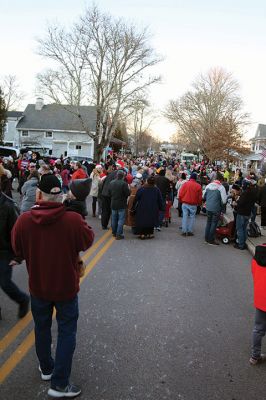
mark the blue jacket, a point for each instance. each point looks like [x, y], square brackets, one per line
[215, 196]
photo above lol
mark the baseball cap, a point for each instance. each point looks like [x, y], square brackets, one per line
[50, 184]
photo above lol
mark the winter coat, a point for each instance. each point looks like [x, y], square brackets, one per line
[190, 193]
[262, 196]
[258, 268]
[105, 187]
[119, 192]
[246, 201]
[130, 219]
[96, 181]
[65, 175]
[215, 196]
[49, 239]
[79, 174]
[8, 216]
[78, 206]
[163, 184]
[149, 203]
[28, 191]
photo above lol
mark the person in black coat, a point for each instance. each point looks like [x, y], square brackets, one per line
[262, 203]
[106, 199]
[148, 203]
[164, 185]
[8, 216]
[243, 209]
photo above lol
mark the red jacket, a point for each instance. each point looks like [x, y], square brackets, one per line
[258, 267]
[79, 174]
[190, 193]
[49, 239]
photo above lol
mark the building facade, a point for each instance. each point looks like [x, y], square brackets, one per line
[54, 128]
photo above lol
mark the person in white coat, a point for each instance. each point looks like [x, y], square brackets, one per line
[96, 181]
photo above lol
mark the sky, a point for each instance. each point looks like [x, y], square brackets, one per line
[192, 36]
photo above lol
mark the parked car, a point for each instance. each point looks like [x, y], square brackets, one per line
[79, 158]
[6, 151]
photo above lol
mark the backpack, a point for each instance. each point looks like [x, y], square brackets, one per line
[253, 229]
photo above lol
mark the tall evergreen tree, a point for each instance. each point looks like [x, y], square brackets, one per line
[3, 116]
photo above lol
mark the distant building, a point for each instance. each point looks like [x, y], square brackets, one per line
[257, 146]
[11, 137]
[55, 128]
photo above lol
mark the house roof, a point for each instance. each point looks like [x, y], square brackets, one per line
[261, 131]
[14, 114]
[58, 117]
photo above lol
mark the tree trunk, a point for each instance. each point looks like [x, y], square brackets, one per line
[98, 151]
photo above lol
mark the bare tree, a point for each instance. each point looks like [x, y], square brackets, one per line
[101, 61]
[3, 116]
[210, 116]
[12, 92]
[140, 117]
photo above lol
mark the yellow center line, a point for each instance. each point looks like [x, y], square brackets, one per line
[28, 342]
[92, 249]
[23, 323]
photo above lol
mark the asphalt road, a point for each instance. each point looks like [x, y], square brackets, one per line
[166, 318]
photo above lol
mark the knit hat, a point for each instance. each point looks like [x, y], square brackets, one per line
[49, 182]
[194, 176]
[80, 188]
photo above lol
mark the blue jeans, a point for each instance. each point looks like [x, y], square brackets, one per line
[258, 332]
[67, 313]
[118, 220]
[188, 219]
[241, 229]
[212, 221]
[6, 283]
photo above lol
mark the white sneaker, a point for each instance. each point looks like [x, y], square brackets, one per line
[45, 377]
[68, 391]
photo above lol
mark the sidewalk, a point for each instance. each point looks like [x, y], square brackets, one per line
[251, 242]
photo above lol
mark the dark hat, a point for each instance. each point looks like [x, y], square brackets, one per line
[194, 176]
[49, 182]
[235, 186]
[120, 173]
[80, 188]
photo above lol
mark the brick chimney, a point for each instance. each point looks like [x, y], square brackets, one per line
[39, 104]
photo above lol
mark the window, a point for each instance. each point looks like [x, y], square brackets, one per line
[78, 147]
[48, 135]
[25, 134]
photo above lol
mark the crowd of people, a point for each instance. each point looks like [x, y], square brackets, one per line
[138, 192]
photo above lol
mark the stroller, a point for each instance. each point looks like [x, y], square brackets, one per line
[226, 231]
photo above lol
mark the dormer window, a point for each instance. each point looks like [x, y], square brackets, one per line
[48, 135]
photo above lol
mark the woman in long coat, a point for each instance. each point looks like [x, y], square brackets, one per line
[149, 202]
[28, 191]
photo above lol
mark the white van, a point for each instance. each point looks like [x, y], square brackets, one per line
[6, 151]
[188, 157]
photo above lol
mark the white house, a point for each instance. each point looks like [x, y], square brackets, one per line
[55, 128]
[257, 146]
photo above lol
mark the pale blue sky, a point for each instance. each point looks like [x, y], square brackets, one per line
[192, 35]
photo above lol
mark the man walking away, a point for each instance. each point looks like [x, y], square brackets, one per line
[190, 195]
[119, 192]
[215, 197]
[50, 238]
[8, 216]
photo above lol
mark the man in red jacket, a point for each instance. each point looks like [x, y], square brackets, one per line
[259, 279]
[190, 195]
[50, 238]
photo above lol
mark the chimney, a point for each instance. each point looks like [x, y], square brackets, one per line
[39, 104]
